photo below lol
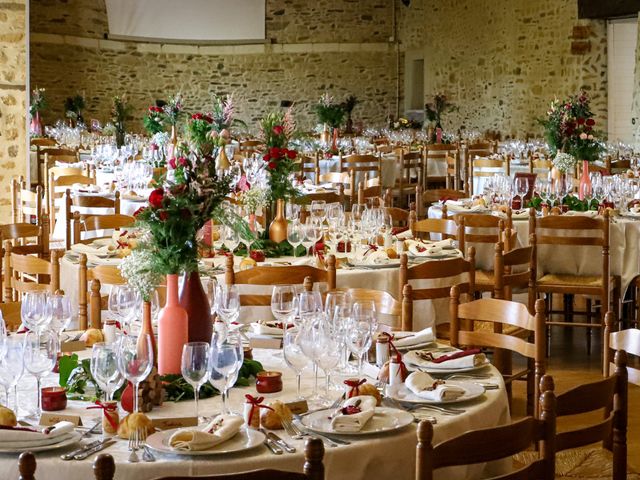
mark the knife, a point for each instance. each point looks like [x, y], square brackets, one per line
[69, 456]
[271, 445]
[91, 451]
[280, 442]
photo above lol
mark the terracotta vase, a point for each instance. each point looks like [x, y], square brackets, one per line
[223, 161]
[252, 222]
[278, 228]
[334, 141]
[585, 181]
[194, 300]
[325, 137]
[147, 327]
[36, 125]
[173, 330]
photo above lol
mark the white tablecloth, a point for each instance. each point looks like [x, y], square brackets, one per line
[377, 456]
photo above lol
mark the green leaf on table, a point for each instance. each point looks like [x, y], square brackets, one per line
[67, 364]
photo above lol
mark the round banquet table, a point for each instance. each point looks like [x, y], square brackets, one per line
[427, 313]
[624, 249]
[379, 456]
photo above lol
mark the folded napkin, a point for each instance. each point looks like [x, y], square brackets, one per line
[433, 360]
[404, 235]
[90, 249]
[375, 257]
[221, 429]
[422, 249]
[423, 336]
[425, 386]
[39, 434]
[354, 422]
[268, 328]
[589, 213]
[96, 260]
[79, 187]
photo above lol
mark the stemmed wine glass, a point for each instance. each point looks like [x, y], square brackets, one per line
[3, 336]
[227, 302]
[293, 355]
[310, 336]
[283, 303]
[227, 355]
[195, 366]
[60, 313]
[294, 235]
[135, 360]
[521, 187]
[104, 368]
[358, 337]
[11, 366]
[40, 355]
[36, 310]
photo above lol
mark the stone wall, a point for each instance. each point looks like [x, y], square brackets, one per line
[503, 62]
[13, 154]
[635, 108]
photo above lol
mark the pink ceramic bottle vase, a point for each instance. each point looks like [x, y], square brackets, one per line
[173, 330]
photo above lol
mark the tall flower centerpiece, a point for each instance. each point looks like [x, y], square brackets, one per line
[120, 111]
[190, 196]
[37, 104]
[173, 112]
[153, 121]
[73, 107]
[434, 111]
[331, 114]
[569, 128]
[223, 120]
[276, 130]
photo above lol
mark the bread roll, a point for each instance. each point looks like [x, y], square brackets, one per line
[135, 421]
[371, 390]
[7, 417]
[272, 419]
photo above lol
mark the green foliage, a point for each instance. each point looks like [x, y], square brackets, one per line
[330, 112]
[38, 101]
[437, 107]
[76, 378]
[153, 121]
[276, 130]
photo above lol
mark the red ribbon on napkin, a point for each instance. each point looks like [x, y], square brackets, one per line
[255, 404]
[463, 353]
[108, 410]
[354, 384]
[398, 230]
[404, 373]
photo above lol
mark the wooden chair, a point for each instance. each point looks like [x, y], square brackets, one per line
[447, 272]
[488, 444]
[583, 461]
[361, 168]
[90, 281]
[438, 153]
[576, 232]
[627, 340]
[328, 197]
[12, 314]
[503, 314]
[542, 165]
[515, 270]
[386, 304]
[26, 206]
[337, 178]
[399, 216]
[428, 197]
[27, 238]
[370, 188]
[26, 273]
[294, 275]
[97, 203]
[444, 227]
[93, 223]
[309, 165]
[249, 147]
[313, 469]
[56, 189]
[410, 168]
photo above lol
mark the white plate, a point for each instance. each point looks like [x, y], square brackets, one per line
[417, 346]
[472, 390]
[447, 370]
[384, 420]
[390, 263]
[245, 439]
[73, 439]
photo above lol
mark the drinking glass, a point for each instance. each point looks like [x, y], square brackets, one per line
[40, 355]
[521, 189]
[329, 345]
[308, 304]
[104, 368]
[128, 301]
[226, 358]
[60, 313]
[3, 335]
[11, 366]
[36, 311]
[333, 300]
[310, 335]
[294, 235]
[307, 235]
[227, 302]
[366, 308]
[318, 211]
[358, 337]
[195, 366]
[283, 303]
[135, 360]
[293, 355]
[231, 238]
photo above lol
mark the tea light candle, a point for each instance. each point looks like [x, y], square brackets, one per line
[53, 398]
[269, 382]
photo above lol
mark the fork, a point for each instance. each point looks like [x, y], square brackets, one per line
[147, 456]
[453, 376]
[297, 434]
[134, 444]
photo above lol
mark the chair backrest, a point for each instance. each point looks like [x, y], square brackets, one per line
[506, 440]
[12, 315]
[469, 222]
[57, 187]
[411, 166]
[309, 165]
[328, 197]
[446, 272]
[361, 168]
[627, 340]
[25, 204]
[248, 147]
[445, 227]
[515, 269]
[26, 273]
[439, 152]
[386, 304]
[27, 238]
[313, 468]
[294, 275]
[90, 281]
[488, 167]
[97, 203]
[608, 394]
[369, 188]
[92, 223]
[399, 216]
[334, 177]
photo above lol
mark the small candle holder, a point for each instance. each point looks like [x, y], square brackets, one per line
[269, 382]
[53, 398]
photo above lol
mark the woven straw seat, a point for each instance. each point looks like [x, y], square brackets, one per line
[558, 279]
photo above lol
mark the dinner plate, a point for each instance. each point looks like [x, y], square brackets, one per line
[472, 390]
[416, 346]
[444, 371]
[384, 420]
[245, 439]
[390, 263]
[74, 437]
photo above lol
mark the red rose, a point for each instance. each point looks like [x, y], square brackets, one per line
[156, 197]
[172, 163]
[266, 157]
[154, 147]
[207, 119]
[272, 165]
[139, 211]
[291, 154]
[183, 162]
[591, 122]
[581, 121]
[163, 215]
[257, 255]
[278, 130]
[274, 152]
[196, 116]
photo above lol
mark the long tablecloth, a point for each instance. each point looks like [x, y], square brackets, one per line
[381, 456]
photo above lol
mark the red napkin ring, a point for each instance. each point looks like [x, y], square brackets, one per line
[398, 230]
[444, 358]
[372, 248]
[108, 412]
[404, 373]
[354, 384]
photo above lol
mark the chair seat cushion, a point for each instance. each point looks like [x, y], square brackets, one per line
[484, 277]
[563, 280]
[588, 463]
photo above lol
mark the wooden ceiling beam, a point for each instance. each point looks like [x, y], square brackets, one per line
[608, 8]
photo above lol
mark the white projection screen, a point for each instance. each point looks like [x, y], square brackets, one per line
[187, 20]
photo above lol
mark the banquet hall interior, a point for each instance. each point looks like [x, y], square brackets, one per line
[348, 239]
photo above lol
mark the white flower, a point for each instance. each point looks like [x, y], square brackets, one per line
[160, 139]
[590, 137]
[138, 270]
[564, 162]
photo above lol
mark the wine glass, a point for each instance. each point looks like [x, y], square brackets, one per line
[11, 366]
[293, 355]
[283, 303]
[329, 345]
[40, 355]
[318, 211]
[521, 189]
[227, 302]
[310, 341]
[127, 303]
[195, 366]
[358, 337]
[231, 238]
[104, 368]
[3, 335]
[135, 360]
[60, 313]
[307, 236]
[366, 308]
[294, 235]
[36, 310]
[226, 358]
[333, 300]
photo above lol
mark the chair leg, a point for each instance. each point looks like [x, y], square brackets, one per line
[568, 307]
[616, 298]
[589, 329]
[549, 302]
[530, 386]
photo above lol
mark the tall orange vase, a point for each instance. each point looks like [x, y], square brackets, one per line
[173, 330]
